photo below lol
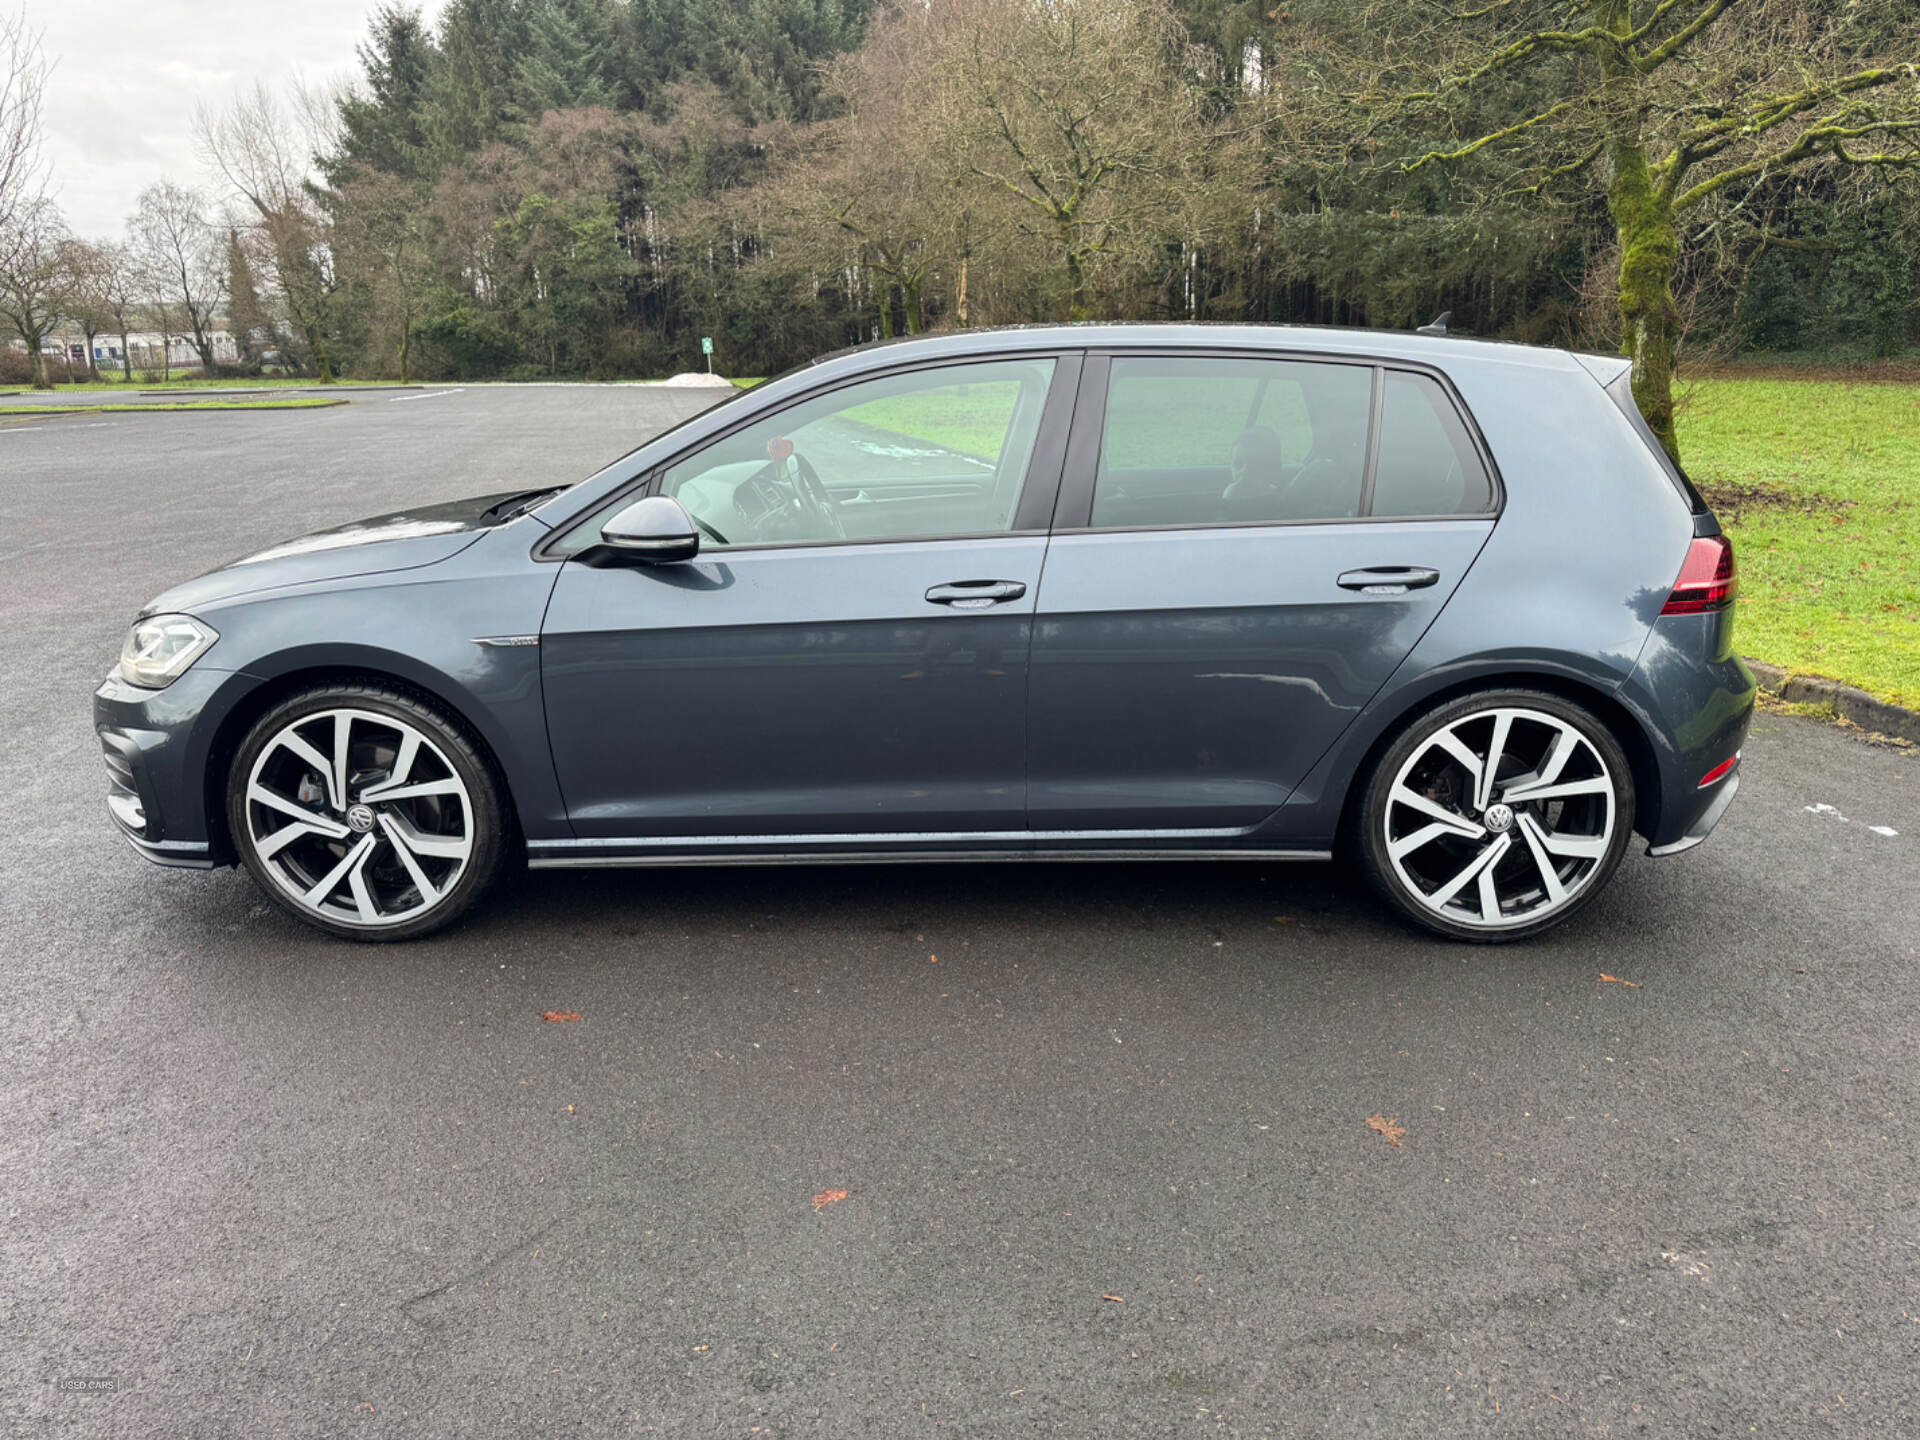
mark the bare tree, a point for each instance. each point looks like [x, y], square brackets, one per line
[119, 297]
[1076, 110]
[23, 83]
[36, 283]
[265, 150]
[90, 267]
[106, 294]
[867, 195]
[183, 255]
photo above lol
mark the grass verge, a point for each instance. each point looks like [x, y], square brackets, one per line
[43, 412]
[1818, 483]
[155, 382]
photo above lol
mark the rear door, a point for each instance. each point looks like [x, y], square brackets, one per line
[1245, 548]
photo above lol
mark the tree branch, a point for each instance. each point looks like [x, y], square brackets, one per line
[1444, 157]
[1827, 136]
[1646, 64]
[1560, 172]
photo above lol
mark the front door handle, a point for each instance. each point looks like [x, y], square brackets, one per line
[1389, 579]
[976, 594]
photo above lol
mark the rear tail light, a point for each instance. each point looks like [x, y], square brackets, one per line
[1720, 771]
[1706, 580]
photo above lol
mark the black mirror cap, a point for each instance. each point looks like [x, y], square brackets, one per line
[654, 530]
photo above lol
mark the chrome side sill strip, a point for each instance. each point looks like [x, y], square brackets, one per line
[870, 837]
[577, 861]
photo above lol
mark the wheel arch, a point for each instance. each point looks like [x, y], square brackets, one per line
[244, 713]
[1626, 728]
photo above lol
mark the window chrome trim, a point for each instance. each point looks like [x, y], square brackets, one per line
[1480, 518]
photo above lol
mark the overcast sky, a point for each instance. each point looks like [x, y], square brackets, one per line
[128, 74]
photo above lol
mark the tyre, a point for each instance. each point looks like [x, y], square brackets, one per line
[366, 812]
[1497, 815]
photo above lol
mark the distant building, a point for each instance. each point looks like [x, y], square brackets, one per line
[144, 345]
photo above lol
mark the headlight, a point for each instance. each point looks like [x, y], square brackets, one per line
[161, 647]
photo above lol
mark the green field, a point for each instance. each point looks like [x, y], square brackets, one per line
[969, 418]
[1818, 483]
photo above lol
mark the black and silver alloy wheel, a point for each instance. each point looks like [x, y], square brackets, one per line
[365, 813]
[1498, 815]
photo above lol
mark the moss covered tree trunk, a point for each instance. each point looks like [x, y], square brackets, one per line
[1649, 254]
[1076, 280]
[1649, 245]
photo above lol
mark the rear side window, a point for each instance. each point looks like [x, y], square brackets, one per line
[1427, 464]
[1195, 441]
[1204, 440]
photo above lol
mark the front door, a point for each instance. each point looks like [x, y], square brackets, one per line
[1244, 557]
[847, 656]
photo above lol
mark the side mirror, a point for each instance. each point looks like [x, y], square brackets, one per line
[656, 530]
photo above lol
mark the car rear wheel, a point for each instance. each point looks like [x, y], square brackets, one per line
[366, 812]
[1497, 815]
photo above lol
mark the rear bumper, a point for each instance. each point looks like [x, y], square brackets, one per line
[1703, 826]
[1694, 699]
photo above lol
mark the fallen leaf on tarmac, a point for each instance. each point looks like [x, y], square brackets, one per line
[828, 1197]
[1117, 1299]
[559, 1016]
[1388, 1127]
[1616, 980]
[933, 959]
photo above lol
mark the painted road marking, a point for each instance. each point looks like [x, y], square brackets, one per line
[1820, 807]
[430, 395]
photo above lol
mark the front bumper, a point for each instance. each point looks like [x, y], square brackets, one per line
[131, 803]
[151, 742]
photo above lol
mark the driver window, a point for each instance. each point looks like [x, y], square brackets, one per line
[936, 452]
[1205, 440]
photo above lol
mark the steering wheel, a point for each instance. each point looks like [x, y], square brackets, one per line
[813, 495]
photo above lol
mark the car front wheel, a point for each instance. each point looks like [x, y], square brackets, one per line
[1497, 815]
[365, 812]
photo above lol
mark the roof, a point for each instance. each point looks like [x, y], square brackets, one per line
[1326, 340]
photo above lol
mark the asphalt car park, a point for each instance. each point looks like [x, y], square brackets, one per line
[1103, 1130]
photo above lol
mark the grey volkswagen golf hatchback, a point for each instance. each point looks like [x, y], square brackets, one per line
[1113, 592]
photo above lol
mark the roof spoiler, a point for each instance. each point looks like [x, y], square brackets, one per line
[1604, 368]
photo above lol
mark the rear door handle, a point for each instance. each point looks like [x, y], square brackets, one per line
[1389, 579]
[976, 594]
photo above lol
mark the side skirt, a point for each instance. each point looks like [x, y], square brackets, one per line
[538, 860]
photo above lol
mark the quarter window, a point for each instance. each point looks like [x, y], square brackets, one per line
[937, 452]
[1427, 463]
